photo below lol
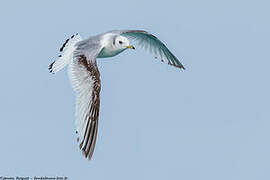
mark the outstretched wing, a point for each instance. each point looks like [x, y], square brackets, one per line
[153, 44]
[85, 80]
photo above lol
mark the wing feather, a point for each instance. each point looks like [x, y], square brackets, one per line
[153, 44]
[85, 80]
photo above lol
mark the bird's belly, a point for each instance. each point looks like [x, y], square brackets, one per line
[105, 52]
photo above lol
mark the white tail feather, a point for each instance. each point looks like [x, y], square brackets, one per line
[67, 54]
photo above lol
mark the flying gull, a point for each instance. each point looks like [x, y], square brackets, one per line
[80, 56]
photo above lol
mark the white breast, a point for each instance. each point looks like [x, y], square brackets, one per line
[109, 52]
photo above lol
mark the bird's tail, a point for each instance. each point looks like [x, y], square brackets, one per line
[66, 55]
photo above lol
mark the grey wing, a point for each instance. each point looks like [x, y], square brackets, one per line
[85, 80]
[153, 44]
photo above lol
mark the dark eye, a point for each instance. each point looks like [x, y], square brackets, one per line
[120, 42]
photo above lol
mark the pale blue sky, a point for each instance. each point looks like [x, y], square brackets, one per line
[156, 122]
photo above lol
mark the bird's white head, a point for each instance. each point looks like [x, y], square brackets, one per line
[121, 42]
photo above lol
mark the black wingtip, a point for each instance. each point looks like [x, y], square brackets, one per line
[63, 46]
[182, 67]
[50, 67]
[65, 43]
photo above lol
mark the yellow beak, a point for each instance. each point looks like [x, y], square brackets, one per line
[131, 47]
